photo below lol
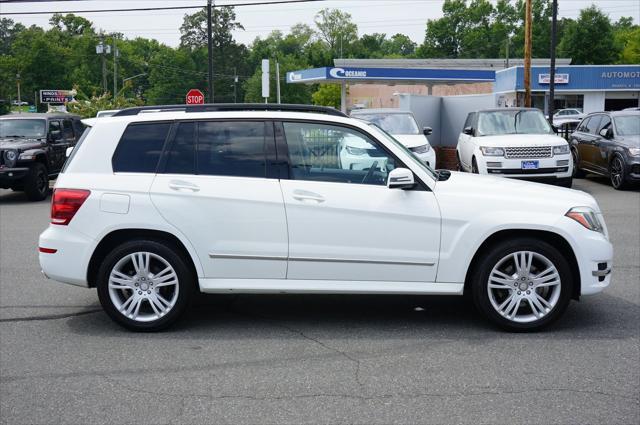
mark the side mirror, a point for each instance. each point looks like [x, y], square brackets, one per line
[427, 131]
[468, 130]
[555, 128]
[401, 178]
[607, 133]
[69, 150]
[55, 135]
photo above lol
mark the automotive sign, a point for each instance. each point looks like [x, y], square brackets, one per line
[559, 79]
[57, 96]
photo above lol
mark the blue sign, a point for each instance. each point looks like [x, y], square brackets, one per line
[390, 74]
[578, 77]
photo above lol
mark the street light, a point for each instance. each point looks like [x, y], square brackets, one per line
[124, 80]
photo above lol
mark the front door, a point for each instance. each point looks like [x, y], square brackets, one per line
[213, 187]
[344, 223]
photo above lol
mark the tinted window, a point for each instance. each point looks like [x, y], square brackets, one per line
[335, 154]
[182, 155]
[67, 129]
[54, 126]
[593, 124]
[232, 148]
[139, 148]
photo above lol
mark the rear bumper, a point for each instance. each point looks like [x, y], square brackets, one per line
[70, 261]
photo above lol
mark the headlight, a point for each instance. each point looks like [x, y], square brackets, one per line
[634, 151]
[489, 151]
[587, 217]
[10, 158]
[560, 150]
[356, 151]
[421, 149]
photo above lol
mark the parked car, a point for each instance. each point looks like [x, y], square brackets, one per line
[33, 150]
[402, 125]
[565, 128]
[21, 103]
[154, 208]
[514, 142]
[608, 143]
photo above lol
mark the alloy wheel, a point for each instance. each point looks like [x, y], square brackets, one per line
[524, 286]
[143, 286]
[617, 172]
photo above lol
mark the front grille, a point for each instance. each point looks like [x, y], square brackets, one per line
[528, 152]
[1, 157]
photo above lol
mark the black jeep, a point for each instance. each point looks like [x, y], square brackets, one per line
[33, 150]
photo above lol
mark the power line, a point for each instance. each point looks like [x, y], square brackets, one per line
[146, 9]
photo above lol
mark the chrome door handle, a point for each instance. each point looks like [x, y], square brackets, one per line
[183, 185]
[303, 195]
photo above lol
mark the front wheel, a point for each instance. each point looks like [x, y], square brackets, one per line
[474, 166]
[37, 182]
[523, 284]
[617, 174]
[145, 285]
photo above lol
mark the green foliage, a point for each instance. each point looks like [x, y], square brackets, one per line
[88, 107]
[327, 95]
[589, 40]
[337, 30]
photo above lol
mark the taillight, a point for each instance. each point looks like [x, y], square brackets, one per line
[66, 203]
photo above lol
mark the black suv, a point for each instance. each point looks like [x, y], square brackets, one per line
[33, 150]
[608, 143]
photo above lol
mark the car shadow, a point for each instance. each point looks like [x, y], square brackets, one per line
[8, 196]
[605, 181]
[377, 317]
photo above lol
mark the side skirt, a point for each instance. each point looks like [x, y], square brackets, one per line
[285, 286]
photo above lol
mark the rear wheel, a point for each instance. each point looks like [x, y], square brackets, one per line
[577, 173]
[37, 182]
[523, 285]
[145, 285]
[616, 173]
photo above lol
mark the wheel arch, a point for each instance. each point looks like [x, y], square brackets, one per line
[552, 238]
[119, 236]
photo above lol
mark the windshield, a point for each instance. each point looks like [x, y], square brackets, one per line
[512, 122]
[628, 125]
[392, 123]
[411, 155]
[27, 128]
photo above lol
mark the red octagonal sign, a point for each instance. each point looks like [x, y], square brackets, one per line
[195, 97]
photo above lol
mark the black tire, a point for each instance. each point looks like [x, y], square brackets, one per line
[474, 166]
[617, 173]
[566, 182]
[36, 184]
[480, 280]
[186, 284]
[577, 172]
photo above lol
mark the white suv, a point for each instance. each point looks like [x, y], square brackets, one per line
[514, 142]
[154, 207]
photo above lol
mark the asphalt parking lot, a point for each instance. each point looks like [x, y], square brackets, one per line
[314, 359]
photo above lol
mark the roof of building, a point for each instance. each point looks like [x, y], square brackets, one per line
[34, 115]
[476, 64]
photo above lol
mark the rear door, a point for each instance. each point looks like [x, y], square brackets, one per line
[213, 187]
[602, 146]
[344, 223]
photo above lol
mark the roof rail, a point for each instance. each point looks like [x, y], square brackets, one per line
[225, 107]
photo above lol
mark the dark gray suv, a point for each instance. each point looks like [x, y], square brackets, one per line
[33, 150]
[608, 143]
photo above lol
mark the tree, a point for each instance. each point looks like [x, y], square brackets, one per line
[337, 30]
[627, 39]
[327, 95]
[399, 45]
[194, 28]
[589, 40]
[8, 32]
[71, 24]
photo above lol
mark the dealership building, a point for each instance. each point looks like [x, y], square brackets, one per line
[376, 83]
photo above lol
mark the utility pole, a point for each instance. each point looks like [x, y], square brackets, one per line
[115, 67]
[277, 81]
[104, 65]
[18, 84]
[552, 65]
[210, 50]
[527, 54]
[235, 84]
[507, 50]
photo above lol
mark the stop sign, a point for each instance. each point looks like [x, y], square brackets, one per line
[194, 97]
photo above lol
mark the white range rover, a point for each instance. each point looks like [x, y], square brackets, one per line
[153, 208]
[514, 142]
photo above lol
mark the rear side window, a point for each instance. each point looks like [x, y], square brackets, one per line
[232, 148]
[140, 147]
[181, 157]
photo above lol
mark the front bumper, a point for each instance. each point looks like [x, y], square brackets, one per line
[558, 167]
[632, 172]
[9, 176]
